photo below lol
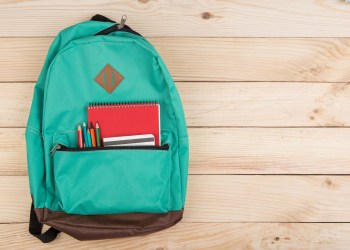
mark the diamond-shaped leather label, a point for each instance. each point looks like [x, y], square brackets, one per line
[109, 78]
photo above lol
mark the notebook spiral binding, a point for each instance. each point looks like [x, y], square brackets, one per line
[96, 105]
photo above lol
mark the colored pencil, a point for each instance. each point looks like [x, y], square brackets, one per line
[85, 135]
[80, 137]
[98, 135]
[88, 143]
[93, 137]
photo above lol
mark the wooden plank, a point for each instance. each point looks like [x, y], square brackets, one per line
[13, 152]
[212, 59]
[269, 151]
[15, 103]
[230, 198]
[233, 151]
[266, 104]
[264, 236]
[15, 199]
[227, 104]
[293, 18]
[23, 58]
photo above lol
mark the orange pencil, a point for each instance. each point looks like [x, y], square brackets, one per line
[93, 137]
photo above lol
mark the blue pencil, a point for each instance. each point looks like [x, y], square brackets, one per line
[86, 141]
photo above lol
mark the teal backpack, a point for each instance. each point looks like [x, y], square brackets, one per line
[93, 193]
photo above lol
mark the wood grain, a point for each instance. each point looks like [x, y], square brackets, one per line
[269, 151]
[15, 103]
[230, 198]
[211, 59]
[262, 236]
[293, 18]
[227, 104]
[233, 151]
[266, 104]
[265, 90]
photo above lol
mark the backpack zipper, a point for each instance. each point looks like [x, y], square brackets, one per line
[117, 27]
[122, 22]
[59, 147]
[54, 149]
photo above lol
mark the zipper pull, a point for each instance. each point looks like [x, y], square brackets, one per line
[53, 150]
[122, 22]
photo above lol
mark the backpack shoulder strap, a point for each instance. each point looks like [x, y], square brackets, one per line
[35, 228]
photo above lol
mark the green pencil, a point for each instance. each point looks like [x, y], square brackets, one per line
[98, 137]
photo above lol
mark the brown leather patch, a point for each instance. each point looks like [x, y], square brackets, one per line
[109, 78]
[106, 226]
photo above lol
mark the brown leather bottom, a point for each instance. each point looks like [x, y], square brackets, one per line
[93, 227]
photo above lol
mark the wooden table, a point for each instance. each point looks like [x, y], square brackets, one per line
[265, 88]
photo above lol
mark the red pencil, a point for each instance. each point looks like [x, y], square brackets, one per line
[80, 137]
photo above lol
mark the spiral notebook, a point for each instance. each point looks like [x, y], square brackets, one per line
[126, 119]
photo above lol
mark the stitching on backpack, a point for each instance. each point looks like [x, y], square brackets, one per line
[34, 130]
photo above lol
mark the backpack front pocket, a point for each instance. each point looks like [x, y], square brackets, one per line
[113, 180]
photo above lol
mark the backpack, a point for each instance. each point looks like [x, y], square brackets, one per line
[94, 193]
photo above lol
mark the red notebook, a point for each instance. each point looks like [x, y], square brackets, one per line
[126, 119]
